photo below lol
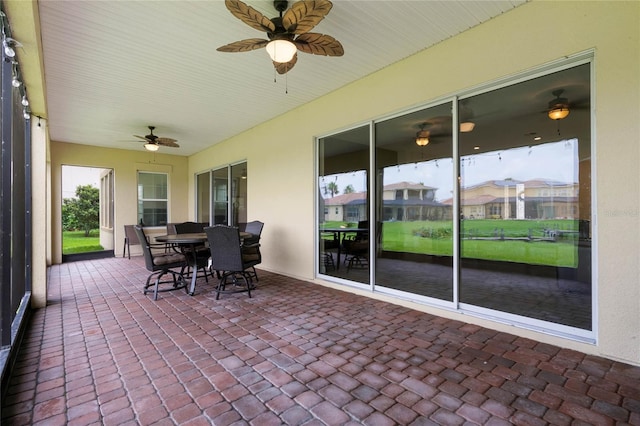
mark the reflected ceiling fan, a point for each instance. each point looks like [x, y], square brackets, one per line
[434, 130]
[560, 107]
[286, 33]
[153, 142]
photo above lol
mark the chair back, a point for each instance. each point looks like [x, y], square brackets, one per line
[224, 244]
[171, 229]
[190, 227]
[146, 249]
[131, 235]
[254, 227]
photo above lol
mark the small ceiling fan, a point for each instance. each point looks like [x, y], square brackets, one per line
[153, 142]
[287, 33]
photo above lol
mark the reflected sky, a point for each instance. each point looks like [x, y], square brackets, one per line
[556, 161]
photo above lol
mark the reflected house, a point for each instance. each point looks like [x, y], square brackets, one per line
[402, 201]
[350, 207]
[407, 201]
[539, 199]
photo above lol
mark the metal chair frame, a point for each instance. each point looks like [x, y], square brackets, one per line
[161, 264]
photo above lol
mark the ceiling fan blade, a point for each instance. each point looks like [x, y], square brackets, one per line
[284, 67]
[304, 15]
[167, 142]
[243, 45]
[319, 44]
[250, 16]
[142, 137]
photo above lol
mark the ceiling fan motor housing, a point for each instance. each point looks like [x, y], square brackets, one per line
[280, 5]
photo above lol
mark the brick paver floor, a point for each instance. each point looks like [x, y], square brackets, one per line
[293, 354]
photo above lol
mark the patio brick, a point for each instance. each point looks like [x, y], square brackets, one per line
[293, 354]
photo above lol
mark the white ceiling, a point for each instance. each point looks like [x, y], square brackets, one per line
[114, 67]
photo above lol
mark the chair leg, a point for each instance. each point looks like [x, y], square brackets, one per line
[155, 293]
[178, 282]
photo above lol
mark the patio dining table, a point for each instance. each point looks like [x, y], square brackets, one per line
[187, 244]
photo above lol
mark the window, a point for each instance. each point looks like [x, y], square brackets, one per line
[106, 200]
[152, 198]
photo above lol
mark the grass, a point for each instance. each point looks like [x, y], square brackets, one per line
[483, 240]
[75, 242]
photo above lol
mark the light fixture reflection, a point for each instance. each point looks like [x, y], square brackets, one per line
[422, 138]
[281, 51]
[467, 126]
[559, 112]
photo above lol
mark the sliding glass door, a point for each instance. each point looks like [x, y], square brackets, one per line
[481, 202]
[221, 195]
[343, 199]
[526, 201]
[414, 189]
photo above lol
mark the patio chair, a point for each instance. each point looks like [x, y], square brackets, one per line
[228, 259]
[251, 245]
[130, 239]
[201, 251]
[161, 264]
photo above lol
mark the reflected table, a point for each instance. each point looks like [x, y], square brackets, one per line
[340, 235]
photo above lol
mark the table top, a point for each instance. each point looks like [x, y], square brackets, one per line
[344, 230]
[195, 238]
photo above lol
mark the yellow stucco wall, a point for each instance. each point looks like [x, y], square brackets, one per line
[125, 164]
[280, 152]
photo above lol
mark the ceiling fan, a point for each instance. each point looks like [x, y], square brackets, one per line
[153, 142]
[286, 33]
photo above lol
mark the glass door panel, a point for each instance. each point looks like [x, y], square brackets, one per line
[203, 197]
[239, 193]
[525, 200]
[414, 189]
[220, 196]
[343, 201]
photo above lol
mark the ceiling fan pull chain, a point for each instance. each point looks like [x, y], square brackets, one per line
[286, 83]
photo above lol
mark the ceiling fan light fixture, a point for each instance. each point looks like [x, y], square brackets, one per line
[281, 50]
[467, 126]
[151, 146]
[422, 138]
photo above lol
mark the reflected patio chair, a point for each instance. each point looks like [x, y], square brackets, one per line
[356, 248]
[201, 251]
[328, 241]
[130, 239]
[161, 264]
[228, 260]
